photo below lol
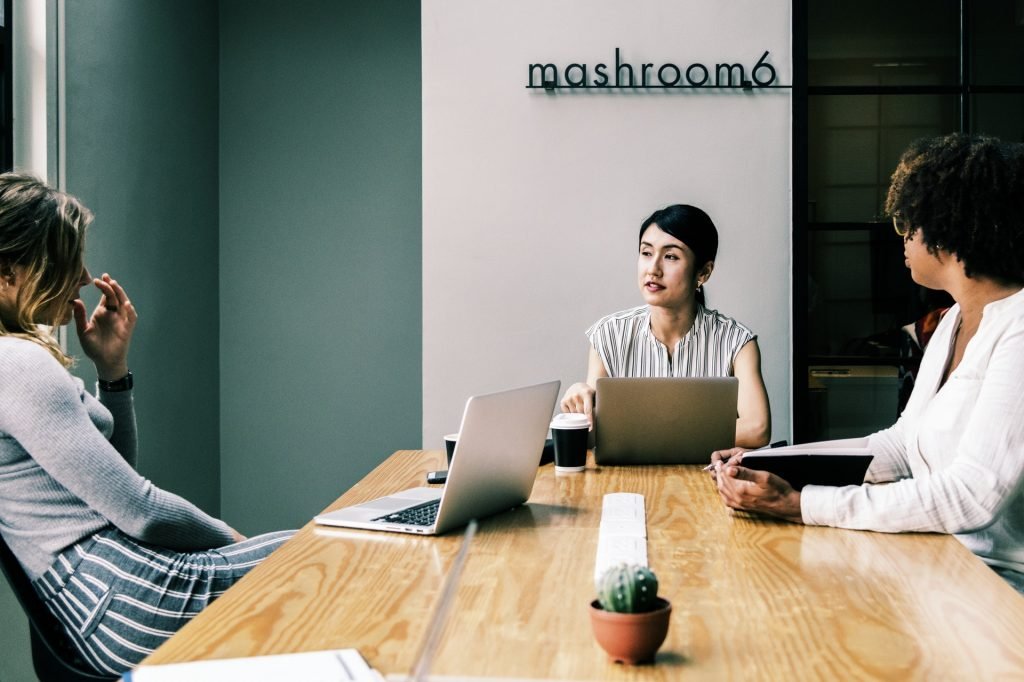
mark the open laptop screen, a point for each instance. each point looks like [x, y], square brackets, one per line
[663, 420]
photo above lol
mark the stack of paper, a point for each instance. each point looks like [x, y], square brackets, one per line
[312, 666]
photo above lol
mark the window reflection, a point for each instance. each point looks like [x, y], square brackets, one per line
[997, 42]
[873, 42]
[854, 142]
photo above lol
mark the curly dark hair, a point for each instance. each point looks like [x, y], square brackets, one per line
[965, 193]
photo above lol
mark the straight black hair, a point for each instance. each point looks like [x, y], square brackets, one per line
[691, 226]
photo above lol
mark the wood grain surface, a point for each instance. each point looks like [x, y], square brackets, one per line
[752, 598]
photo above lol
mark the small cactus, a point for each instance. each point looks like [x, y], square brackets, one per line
[627, 588]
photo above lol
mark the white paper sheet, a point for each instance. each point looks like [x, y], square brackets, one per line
[339, 665]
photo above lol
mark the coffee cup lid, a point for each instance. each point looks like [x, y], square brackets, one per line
[570, 420]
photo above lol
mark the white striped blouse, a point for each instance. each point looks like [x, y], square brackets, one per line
[628, 347]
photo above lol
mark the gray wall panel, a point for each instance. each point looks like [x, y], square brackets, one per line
[142, 154]
[320, 250]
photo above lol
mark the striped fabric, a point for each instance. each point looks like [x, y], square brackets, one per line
[119, 599]
[1014, 578]
[627, 345]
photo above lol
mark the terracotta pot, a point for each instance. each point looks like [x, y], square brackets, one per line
[630, 638]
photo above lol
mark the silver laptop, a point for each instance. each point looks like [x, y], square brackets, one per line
[492, 470]
[663, 421]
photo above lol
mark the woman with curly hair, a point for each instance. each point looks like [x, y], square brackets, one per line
[954, 461]
[121, 563]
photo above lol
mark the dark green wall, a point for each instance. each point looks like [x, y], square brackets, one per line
[142, 154]
[256, 180]
[320, 212]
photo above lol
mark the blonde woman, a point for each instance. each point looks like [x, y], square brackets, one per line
[121, 563]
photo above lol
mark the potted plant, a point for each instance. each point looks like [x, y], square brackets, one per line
[630, 620]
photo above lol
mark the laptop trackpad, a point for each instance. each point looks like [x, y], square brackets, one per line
[400, 500]
[382, 506]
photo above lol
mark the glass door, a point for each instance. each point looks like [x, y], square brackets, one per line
[876, 76]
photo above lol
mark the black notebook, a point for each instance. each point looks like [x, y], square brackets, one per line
[812, 466]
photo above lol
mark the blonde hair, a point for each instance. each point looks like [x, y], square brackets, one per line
[42, 231]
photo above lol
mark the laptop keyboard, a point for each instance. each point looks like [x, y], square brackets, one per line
[421, 515]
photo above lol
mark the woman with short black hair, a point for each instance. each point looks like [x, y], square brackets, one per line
[674, 334]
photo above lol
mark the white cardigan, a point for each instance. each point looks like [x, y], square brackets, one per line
[954, 461]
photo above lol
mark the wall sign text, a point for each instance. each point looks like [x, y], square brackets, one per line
[760, 74]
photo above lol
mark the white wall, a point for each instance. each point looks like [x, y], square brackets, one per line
[29, 87]
[532, 201]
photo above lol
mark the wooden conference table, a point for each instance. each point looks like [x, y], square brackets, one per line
[752, 598]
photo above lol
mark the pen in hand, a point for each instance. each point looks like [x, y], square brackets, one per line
[776, 444]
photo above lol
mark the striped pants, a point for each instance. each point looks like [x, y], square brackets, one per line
[1015, 578]
[119, 599]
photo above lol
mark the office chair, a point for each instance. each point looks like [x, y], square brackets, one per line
[53, 656]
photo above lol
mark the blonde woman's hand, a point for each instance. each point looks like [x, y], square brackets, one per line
[107, 333]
